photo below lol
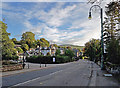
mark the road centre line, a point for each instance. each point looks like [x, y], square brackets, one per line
[35, 79]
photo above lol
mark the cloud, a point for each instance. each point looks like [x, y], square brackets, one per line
[45, 1]
[49, 20]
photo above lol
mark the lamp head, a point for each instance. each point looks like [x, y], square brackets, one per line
[90, 17]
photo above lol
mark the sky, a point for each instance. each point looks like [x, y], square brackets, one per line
[58, 22]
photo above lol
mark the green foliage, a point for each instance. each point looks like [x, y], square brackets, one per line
[113, 49]
[3, 32]
[111, 32]
[55, 45]
[63, 59]
[7, 47]
[69, 52]
[93, 50]
[25, 47]
[44, 42]
[57, 52]
[111, 29]
[14, 40]
[19, 50]
[49, 59]
[29, 39]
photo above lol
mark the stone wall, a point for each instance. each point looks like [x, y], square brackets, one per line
[11, 67]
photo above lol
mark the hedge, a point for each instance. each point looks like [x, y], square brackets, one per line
[49, 59]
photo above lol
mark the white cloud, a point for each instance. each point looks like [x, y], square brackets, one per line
[79, 31]
[44, 1]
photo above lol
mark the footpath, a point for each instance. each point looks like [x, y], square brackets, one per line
[102, 77]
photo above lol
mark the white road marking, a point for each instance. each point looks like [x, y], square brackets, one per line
[34, 79]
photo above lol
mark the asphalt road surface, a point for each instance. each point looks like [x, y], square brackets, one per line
[77, 73]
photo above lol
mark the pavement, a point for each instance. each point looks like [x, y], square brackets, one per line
[79, 73]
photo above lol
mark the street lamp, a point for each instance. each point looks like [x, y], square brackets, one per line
[102, 45]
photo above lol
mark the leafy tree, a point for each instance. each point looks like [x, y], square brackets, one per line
[111, 31]
[25, 47]
[57, 52]
[55, 45]
[80, 50]
[113, 49]
[43, 42]
[19, 50]
[69, 52]
[95, 1]
[28, 38]
[112, 21]
[92, 49]
[34, 44]
[39, 43]
[7, 47]
[14, 40]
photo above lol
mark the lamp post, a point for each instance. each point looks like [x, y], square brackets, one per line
[102, 45]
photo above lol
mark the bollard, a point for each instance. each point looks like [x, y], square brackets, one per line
[45, 65]
[28, 66]
[40, 65]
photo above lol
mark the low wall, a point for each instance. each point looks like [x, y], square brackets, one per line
[11, 67]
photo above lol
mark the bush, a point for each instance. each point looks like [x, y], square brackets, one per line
[10, 58]
[80, 57]
[49, 59]
[62, 59]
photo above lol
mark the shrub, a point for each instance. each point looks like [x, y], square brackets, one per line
[49, 59]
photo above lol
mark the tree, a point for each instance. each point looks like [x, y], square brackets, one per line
[28, 38]
[43, 42]
[95, 1]
[14, 40]
[69, 52]
[25, 47]
[112, 22]
[57, 52]
[92, 50]
[55, 45]
[7, 47]
[113, 49]
[19, 50]
[111, 31]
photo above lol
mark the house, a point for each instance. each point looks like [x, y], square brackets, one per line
[53, 49]
[45, 50]
[76, 51]
[61, 50]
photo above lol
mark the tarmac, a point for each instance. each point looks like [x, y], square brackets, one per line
[96, 74]
[30, 67]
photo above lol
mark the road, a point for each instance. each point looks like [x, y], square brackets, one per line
[79, 73]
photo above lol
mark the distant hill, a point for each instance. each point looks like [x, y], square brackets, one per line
[72, 46]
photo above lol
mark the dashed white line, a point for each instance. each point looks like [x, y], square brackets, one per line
[35, 79]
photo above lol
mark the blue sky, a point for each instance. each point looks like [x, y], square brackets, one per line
[60, 22]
